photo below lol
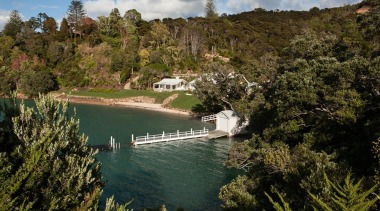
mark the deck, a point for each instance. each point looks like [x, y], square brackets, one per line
[165, 137]
[216, 134]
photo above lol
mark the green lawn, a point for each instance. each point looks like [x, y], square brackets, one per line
[186, 102]
[159, 96]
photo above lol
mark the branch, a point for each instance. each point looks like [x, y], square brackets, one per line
[232, 108]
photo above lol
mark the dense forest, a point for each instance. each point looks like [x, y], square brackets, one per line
[307, 81]
[83, 52]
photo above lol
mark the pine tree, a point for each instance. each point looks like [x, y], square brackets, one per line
[210, 9]
[75, 13]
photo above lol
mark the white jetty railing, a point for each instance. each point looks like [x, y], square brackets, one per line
[165, 137]
[211, 117]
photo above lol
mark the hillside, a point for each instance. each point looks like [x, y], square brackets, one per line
[107, 51]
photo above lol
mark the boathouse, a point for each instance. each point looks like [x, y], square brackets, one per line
[227, 121]
[170, 84]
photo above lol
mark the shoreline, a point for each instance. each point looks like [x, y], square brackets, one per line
[120, 103]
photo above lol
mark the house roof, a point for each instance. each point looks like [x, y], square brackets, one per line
[170, 81]
[228, 114]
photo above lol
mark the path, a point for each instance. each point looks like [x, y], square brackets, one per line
[128, 84]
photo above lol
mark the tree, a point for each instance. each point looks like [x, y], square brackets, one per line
[34, 82]
[222, 88]
[46, 163]
[349, 196]
[6, 45]
[210, 9]
[41, 19]
[50, 25]
[323, 104]
[290, 171]
[13, 25]
[133, 15]
[64, 30]
[75, 13]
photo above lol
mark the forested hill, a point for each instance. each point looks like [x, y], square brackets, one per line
[272, 30]
[104, 52]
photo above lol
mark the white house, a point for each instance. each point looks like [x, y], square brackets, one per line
[170, 84]
[228, 121]
[191, 85]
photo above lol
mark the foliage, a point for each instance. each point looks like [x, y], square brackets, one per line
[14, 24]
[46, 153]
[111, 206]
[236, 194]
[151, 74]
[319, 113]
[37, 82]
[279, 207]
[349, 196]
[8, 81]
[293, 171]
[75, 13]
[376, 151]
[6, 44]
[210, 9]
[222, 88]
[50, 25]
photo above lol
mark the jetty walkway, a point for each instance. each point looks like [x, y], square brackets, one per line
[165, 137]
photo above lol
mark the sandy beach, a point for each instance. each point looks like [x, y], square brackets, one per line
[120, 102]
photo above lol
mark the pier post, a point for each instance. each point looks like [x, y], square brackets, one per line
[132, 137]
[163, 134]
[178, 133]
[191, 131]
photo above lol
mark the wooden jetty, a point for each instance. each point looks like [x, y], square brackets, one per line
[165, 137]
[216, 134]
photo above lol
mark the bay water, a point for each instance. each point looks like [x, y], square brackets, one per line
[180, 174]
[184, 174]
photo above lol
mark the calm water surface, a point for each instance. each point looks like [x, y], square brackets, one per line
[183, 174]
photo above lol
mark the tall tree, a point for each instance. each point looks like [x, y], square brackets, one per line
[41, 19]
[210, 9]
[64, 29]
[50, 25]
[133, 15]
[75, 13]
[14, 24]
